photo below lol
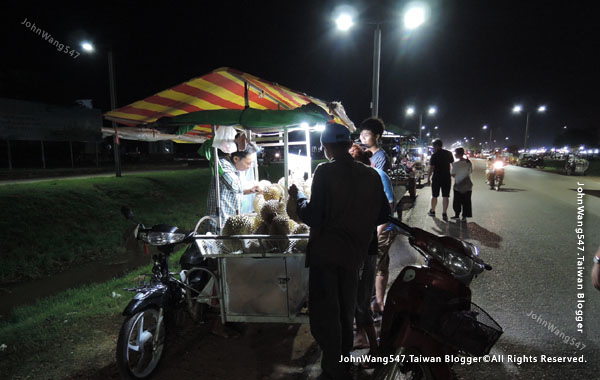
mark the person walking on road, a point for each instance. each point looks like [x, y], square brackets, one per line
[439, 167]
[463, 186]
[346, 205]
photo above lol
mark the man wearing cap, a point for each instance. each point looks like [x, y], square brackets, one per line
[342, 218]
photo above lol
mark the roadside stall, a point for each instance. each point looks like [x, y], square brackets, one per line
[259, 274]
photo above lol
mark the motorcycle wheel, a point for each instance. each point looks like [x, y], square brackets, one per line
[411, 371]
[138, 354]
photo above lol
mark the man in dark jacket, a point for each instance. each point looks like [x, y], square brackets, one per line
[347, 203]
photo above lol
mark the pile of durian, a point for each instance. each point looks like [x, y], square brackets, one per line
[274, 216]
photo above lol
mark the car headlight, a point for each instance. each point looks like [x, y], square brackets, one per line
[161, 238]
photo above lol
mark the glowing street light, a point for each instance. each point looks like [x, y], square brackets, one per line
[414, 16]
[344, 22]
[431, 111]
[518, 109]
[486, 127]
[88, 47]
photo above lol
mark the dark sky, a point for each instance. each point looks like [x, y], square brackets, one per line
[474, 59]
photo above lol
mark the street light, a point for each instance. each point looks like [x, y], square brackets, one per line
[89, 47]
[414, 16]
[431, 111]
[518, 109]
[486, 127]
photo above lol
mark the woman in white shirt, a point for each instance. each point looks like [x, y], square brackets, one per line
[463, 186]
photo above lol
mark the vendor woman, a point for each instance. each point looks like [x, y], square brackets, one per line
[230, 183]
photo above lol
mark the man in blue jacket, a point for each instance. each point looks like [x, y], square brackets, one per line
[346, 205]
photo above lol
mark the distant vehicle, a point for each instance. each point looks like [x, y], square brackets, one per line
[530, 161]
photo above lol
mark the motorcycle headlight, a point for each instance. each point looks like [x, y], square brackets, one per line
[498, 165]
[458, 264]
[161, 238]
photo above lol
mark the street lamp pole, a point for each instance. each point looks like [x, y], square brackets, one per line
[420, 124]
[376, 69]
[526, 130]
[113, 105]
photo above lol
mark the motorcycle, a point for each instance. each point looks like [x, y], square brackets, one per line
[159, 304]
[576, 165]
[495, 175]
[428, 313]
[532, 162]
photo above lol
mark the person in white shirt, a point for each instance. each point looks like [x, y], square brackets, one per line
[463, 186]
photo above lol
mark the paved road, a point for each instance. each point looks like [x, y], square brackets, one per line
[527, 233]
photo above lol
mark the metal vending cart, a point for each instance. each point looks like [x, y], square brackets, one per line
[259, 278]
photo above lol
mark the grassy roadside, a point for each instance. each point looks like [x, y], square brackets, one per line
[63, 334]
[558, 166]
[50, 225]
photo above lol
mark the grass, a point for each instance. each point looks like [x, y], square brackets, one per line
[71, 326]
[47, 226]
[558, 166]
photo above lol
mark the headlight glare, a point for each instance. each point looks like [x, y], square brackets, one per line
[162, 238]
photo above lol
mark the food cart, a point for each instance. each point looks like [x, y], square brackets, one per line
[257, 278]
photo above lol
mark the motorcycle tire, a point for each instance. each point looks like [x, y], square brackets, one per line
[138, 354]
[404, 371]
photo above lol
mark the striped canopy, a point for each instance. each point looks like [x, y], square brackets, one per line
[223, 88]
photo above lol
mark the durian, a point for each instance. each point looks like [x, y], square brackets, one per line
[300, 244]
[273, 192]
[236, 225]
[280, 226]
[259, 202]
[270, 210]
[264, 184]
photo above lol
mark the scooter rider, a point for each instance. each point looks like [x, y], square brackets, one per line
[491, 162]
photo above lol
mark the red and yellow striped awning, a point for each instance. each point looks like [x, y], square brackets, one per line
[223, 88]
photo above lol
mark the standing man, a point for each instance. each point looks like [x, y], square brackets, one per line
[347, 202]
[371, 130]
[439, 167]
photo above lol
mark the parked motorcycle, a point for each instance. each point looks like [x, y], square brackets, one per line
[532, 162]
[429, 314]
[160, 303]
[495, 175]
[576, 165]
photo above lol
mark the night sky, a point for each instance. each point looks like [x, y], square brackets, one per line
[473, 59]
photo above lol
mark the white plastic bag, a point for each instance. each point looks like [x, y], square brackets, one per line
[224, 139]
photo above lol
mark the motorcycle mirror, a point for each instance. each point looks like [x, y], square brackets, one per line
[127, 212]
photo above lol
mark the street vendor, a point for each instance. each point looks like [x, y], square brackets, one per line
[347, 203]
[230, 183]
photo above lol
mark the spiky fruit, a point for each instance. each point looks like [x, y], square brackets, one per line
[262, 229]
[270, 210]
[256, 222]
[292, 224]
[273, 192]
[300, 244]
[259, 202]
[236, 225]
[279, 226]
[264, 184]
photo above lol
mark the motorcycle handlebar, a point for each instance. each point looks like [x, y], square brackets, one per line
[399, 223]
